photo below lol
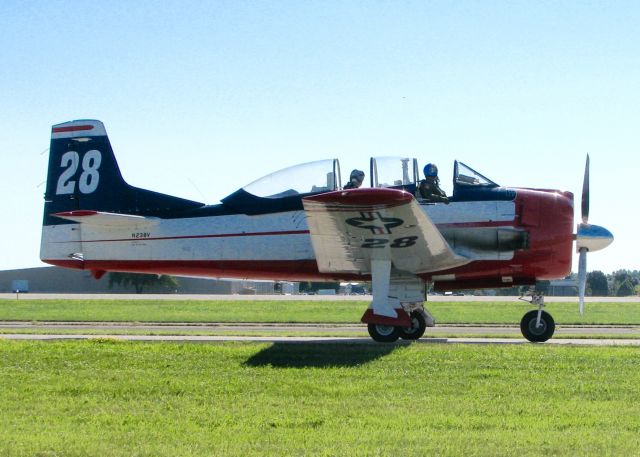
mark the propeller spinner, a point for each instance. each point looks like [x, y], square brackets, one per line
[589, 238]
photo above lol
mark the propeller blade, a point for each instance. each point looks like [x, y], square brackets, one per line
[582, 278]
[585, 194]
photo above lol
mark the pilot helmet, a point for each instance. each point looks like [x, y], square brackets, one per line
[358, 175]
[430, 170]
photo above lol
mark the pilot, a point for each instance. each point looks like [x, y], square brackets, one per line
[355, 179]
[429, 188]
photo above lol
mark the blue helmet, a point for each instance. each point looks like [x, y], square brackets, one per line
[430, 170]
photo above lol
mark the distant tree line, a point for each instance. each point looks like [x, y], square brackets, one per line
[621, 283]
[142, 281]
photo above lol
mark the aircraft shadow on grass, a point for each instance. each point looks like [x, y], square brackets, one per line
[303, 355]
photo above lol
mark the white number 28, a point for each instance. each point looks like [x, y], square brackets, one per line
[89, 178]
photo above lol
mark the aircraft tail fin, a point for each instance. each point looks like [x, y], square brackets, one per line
[83, 174]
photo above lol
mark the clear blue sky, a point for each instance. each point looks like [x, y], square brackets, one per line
[202, 97]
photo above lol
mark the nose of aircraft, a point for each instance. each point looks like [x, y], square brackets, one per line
[592, 237]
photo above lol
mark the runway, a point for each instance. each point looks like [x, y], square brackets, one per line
[364, 298]
[259, 332]
[320, 340]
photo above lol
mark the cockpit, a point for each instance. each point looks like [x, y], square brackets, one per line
[284, 189]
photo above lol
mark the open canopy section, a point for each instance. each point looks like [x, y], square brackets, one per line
[396, 172]
[306, 178]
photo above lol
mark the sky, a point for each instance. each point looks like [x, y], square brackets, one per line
[200, 98]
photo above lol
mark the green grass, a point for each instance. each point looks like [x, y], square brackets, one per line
[225, 332]
[509, 313]
[181, 311]
[296, 311]
[297, 333]
[139, 399]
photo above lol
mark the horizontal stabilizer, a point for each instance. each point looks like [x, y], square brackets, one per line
[107, 219]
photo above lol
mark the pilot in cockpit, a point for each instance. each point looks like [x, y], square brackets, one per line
[429, 188]
[355, 179]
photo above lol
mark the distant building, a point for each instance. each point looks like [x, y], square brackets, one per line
[20, 285]
[64, 280]
[563, 288]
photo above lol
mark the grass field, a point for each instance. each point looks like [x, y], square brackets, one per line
[296, 311]
[138, 399]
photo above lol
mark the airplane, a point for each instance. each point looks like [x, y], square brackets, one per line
[299, 224]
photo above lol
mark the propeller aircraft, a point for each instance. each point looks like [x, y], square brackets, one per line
[299, 224]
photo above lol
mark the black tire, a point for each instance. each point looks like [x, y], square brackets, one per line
[419, 324]
[383, 333]
[537, 334]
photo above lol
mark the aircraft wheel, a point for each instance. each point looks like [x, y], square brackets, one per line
[418, 326]
[383, 333]
[537, 334]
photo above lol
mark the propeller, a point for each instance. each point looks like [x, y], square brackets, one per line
[588, 239]
[585, 193]
[582, 278]
[582, 261]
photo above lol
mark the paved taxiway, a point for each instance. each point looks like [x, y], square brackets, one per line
[335, 329]
[438, 334]
[367, 298]
[320, 339]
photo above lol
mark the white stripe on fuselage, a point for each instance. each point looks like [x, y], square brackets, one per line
[228, 237]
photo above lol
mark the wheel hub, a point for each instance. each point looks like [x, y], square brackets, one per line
[414, 326]
[535, 329]
[385, 330]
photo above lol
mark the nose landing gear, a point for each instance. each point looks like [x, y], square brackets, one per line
[537, 326]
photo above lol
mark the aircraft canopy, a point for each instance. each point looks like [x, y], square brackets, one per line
[384, 172]
[310, 177]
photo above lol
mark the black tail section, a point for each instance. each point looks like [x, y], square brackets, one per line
[84, 175]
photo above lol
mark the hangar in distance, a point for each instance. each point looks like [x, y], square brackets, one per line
[301, 224]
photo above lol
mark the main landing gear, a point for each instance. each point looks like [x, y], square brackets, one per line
[537, 326]
[397, 309]
[419, 319]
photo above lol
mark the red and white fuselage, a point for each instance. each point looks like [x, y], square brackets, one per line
[94, 220]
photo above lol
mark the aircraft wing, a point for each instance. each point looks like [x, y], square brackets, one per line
[351, 228]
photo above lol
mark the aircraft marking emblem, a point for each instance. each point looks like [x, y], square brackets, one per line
[374, 221]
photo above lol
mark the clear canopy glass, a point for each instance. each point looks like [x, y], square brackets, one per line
[393, 171]
[467, 176]
[306, 178]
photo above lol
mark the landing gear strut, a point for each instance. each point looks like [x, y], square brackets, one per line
[537, 326]
[397, 309]
[419, 318]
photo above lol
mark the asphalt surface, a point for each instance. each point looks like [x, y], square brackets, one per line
[438, 334]
[434, 298]
[329, 328]
[469, 334]
[321, 340]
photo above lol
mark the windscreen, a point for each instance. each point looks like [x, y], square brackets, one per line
[467, 176]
